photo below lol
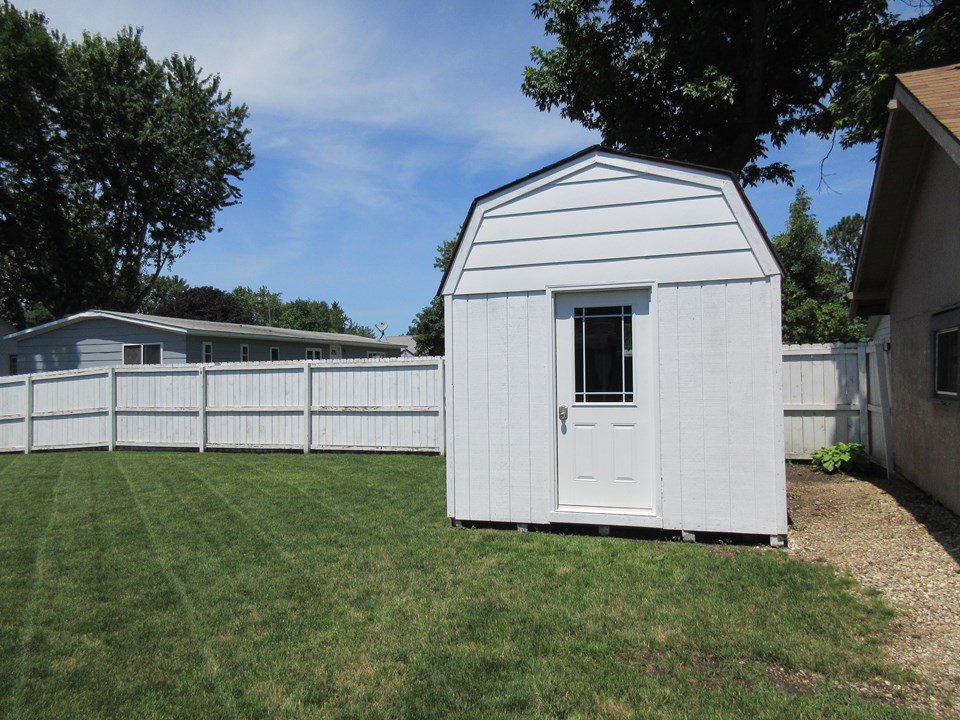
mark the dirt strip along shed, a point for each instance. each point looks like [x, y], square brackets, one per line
[613, 348]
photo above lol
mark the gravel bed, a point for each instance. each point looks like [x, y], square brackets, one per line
[893, 537]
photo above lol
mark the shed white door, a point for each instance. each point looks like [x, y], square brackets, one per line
[605, 446]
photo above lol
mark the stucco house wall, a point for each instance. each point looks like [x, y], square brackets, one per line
[927, 281]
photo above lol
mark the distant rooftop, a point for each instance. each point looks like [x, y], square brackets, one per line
[206, 327]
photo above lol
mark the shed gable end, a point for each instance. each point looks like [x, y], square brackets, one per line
[609, 220]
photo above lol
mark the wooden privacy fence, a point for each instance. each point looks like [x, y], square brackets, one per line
[834, 393]
[379, 405]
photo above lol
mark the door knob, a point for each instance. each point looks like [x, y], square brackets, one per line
[562, 413]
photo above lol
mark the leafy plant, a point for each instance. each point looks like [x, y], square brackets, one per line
[843, 457]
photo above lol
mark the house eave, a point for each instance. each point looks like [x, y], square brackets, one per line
[910, 131]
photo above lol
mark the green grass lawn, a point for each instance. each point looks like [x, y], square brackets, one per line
[234, 585]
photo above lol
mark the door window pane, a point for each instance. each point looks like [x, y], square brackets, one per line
[603, 347]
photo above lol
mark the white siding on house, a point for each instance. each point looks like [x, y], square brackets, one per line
[92, 343]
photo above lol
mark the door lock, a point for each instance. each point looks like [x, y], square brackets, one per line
[562, 413]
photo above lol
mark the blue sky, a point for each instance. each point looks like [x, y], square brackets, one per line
[375, 124]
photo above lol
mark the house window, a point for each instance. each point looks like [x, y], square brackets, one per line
[335, 352]
[13, 364]
[244, 353]
[314, 354]
[946, 365]
[143, 354]
[374, 354]
[947, 362]
[208, 352]
[274, 354]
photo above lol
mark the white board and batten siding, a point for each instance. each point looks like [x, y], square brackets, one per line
[605, 220]
[376, 405]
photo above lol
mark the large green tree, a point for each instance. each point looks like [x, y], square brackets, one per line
[814, 289]
[112, 165]
[205, 303]
[719, 83]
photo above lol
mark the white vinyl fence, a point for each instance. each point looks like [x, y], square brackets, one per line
[377, 405]
[831, 393]
[834, 393]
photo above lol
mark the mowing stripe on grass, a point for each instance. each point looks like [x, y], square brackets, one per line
[257, 528]
[183, 595]
[29, 617]
[320, 586]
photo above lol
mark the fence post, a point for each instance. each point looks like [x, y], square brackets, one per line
[112, 406]
[882, 381]
[862, 395]
[441, 399]
[307, 406]
[28, 416]
[202, 411]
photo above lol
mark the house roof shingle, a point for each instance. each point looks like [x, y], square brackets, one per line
[938, 90]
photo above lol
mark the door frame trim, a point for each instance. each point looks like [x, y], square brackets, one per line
[603, 517]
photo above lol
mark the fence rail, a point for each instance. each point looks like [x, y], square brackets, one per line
[382, 405]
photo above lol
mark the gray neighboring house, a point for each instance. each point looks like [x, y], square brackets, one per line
[6, 349]
[408, 346]
[909, 267]
[100, 338]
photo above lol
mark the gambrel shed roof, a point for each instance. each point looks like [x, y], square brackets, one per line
[651, 217]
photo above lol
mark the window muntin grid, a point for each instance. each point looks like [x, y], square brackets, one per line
[603, 350]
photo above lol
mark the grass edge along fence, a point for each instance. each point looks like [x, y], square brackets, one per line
[379, 405]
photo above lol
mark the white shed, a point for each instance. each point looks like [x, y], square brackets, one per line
[613, 349]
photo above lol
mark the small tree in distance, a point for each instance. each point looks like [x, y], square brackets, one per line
[427, 327]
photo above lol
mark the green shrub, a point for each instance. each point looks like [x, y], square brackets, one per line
[842, 457]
